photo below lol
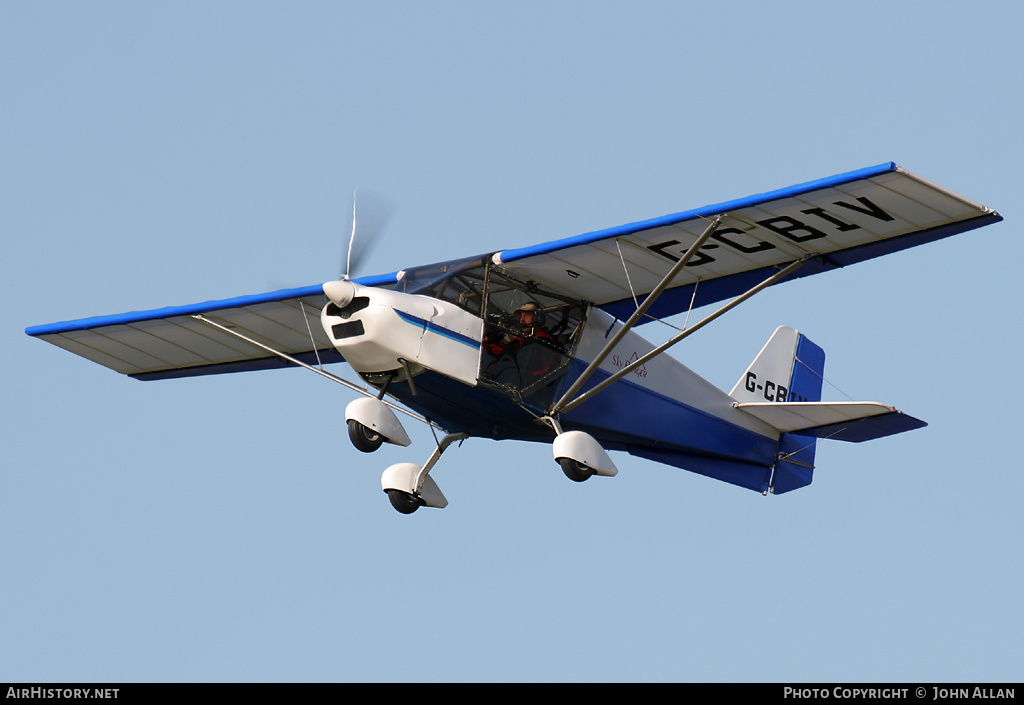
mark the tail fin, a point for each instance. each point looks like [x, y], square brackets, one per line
[789, 368]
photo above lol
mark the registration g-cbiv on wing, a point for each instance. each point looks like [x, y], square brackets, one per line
[541, 343]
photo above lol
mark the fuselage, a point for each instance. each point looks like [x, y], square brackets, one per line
[480, 375]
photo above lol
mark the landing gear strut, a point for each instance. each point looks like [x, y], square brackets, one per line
[410, 486]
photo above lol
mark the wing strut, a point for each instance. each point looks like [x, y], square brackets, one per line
[563, 407]
[561, 404]
[323, 373]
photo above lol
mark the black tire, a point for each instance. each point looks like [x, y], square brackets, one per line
[575, 471]
[363, 438]
[403, 501]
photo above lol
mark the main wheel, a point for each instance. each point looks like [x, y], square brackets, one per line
[574, 470]
[403, 501]
[363, 438]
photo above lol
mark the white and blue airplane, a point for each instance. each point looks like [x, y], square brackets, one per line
[538, 343]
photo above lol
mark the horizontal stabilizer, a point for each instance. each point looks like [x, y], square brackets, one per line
[853, 421]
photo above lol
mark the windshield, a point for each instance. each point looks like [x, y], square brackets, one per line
[460, 282]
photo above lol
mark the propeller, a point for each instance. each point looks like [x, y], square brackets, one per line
[371, 212]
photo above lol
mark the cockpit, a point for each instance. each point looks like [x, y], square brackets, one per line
[530, 333]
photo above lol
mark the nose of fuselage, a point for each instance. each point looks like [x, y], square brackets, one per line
[340, 292]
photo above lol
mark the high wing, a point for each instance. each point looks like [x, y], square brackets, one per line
[827, 224]
[833, 222]
[168, 342]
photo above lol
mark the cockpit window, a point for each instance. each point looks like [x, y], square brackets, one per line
[460, 282]
[530, 335]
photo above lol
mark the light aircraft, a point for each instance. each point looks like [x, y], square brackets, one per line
[538, 343]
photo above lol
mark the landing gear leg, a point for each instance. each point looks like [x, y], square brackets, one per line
[410, 486]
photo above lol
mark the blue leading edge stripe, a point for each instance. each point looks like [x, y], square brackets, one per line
[788, 192]
[681, 298]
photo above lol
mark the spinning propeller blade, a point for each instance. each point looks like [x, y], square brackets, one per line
[371, 212]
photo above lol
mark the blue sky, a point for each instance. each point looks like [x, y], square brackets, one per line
[222, 528]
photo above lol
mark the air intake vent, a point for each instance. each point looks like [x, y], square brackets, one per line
[347, 330]
[356, 304]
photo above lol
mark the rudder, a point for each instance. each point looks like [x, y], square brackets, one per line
[790, 367]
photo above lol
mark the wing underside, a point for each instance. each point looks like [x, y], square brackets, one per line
[831, 223]
[172, 343]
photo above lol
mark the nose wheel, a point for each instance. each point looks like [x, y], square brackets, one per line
[403, 502]
[410, 486]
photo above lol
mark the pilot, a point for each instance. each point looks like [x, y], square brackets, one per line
[524, 328]
[516, 362]
[527, 318]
